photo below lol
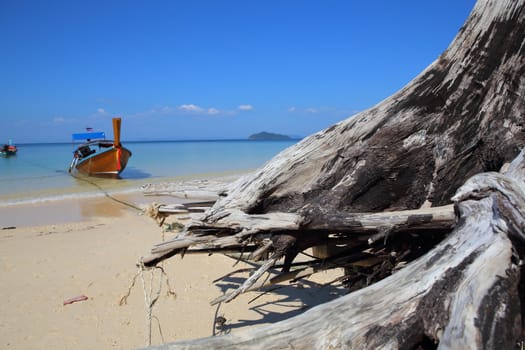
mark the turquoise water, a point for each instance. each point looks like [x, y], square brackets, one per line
[39, 171]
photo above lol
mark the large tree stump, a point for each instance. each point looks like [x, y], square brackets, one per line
[463, 115]
[461, 295]
[445, 134]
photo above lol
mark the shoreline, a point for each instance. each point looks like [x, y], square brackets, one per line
[46, 262]
[90, 187]
[77, 207]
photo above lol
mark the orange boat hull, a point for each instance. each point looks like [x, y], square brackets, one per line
[109, 163]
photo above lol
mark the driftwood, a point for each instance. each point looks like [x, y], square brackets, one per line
[371, 226]
[464, 294]
[189, 189]
[367, 184]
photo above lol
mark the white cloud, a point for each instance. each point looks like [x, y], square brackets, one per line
[58, 120]
[306, 110]
[245, 107]
[101, 111]
[191, 108]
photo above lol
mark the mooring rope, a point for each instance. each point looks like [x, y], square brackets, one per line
[131, 205]
[149, 299]
[151, 296]
[62, 172]
[149, 302]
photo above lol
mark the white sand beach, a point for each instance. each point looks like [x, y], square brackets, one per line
[57, 251]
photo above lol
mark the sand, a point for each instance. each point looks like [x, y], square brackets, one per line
[57, 251]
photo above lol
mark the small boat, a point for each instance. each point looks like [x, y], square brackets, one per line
[8, 150]
[96, 156]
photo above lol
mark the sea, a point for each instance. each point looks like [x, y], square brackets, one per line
[39, 172]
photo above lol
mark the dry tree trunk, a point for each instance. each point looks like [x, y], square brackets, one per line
[463, 294]
[460, 117]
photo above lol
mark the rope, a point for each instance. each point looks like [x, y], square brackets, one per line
[131, 205]
[153, 211]
[151, 296]
[149, 301]
[62, 172]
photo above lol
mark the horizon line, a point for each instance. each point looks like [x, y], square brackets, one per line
[291, 138]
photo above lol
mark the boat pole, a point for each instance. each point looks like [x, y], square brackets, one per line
[116, 131]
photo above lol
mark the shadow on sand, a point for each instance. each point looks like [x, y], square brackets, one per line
[297, 297]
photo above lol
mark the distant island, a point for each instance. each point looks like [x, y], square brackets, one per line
[268, 136]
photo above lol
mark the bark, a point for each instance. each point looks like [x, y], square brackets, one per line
[440, 138]
[370, 226]
[463, 294]
[461, 116]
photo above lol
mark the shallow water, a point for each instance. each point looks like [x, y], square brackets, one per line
[39, 173]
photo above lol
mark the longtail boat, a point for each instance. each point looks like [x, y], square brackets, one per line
[96, 156]
[8, 150]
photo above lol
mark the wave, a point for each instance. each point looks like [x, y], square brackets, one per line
[53, 197]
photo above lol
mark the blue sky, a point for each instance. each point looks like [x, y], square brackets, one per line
[197, 69]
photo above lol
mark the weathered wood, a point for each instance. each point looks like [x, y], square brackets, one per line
[249, 282]
[424, 218]
[461, 118]
[463, 294]
[189, 189]
[353, 223]
[182, 208]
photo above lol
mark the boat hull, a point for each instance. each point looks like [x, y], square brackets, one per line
[109, 163]
[8, 150]
[5, 154]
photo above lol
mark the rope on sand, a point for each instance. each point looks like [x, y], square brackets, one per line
[153, 211]
[131, 205]
[149, 301]
[150, 295]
